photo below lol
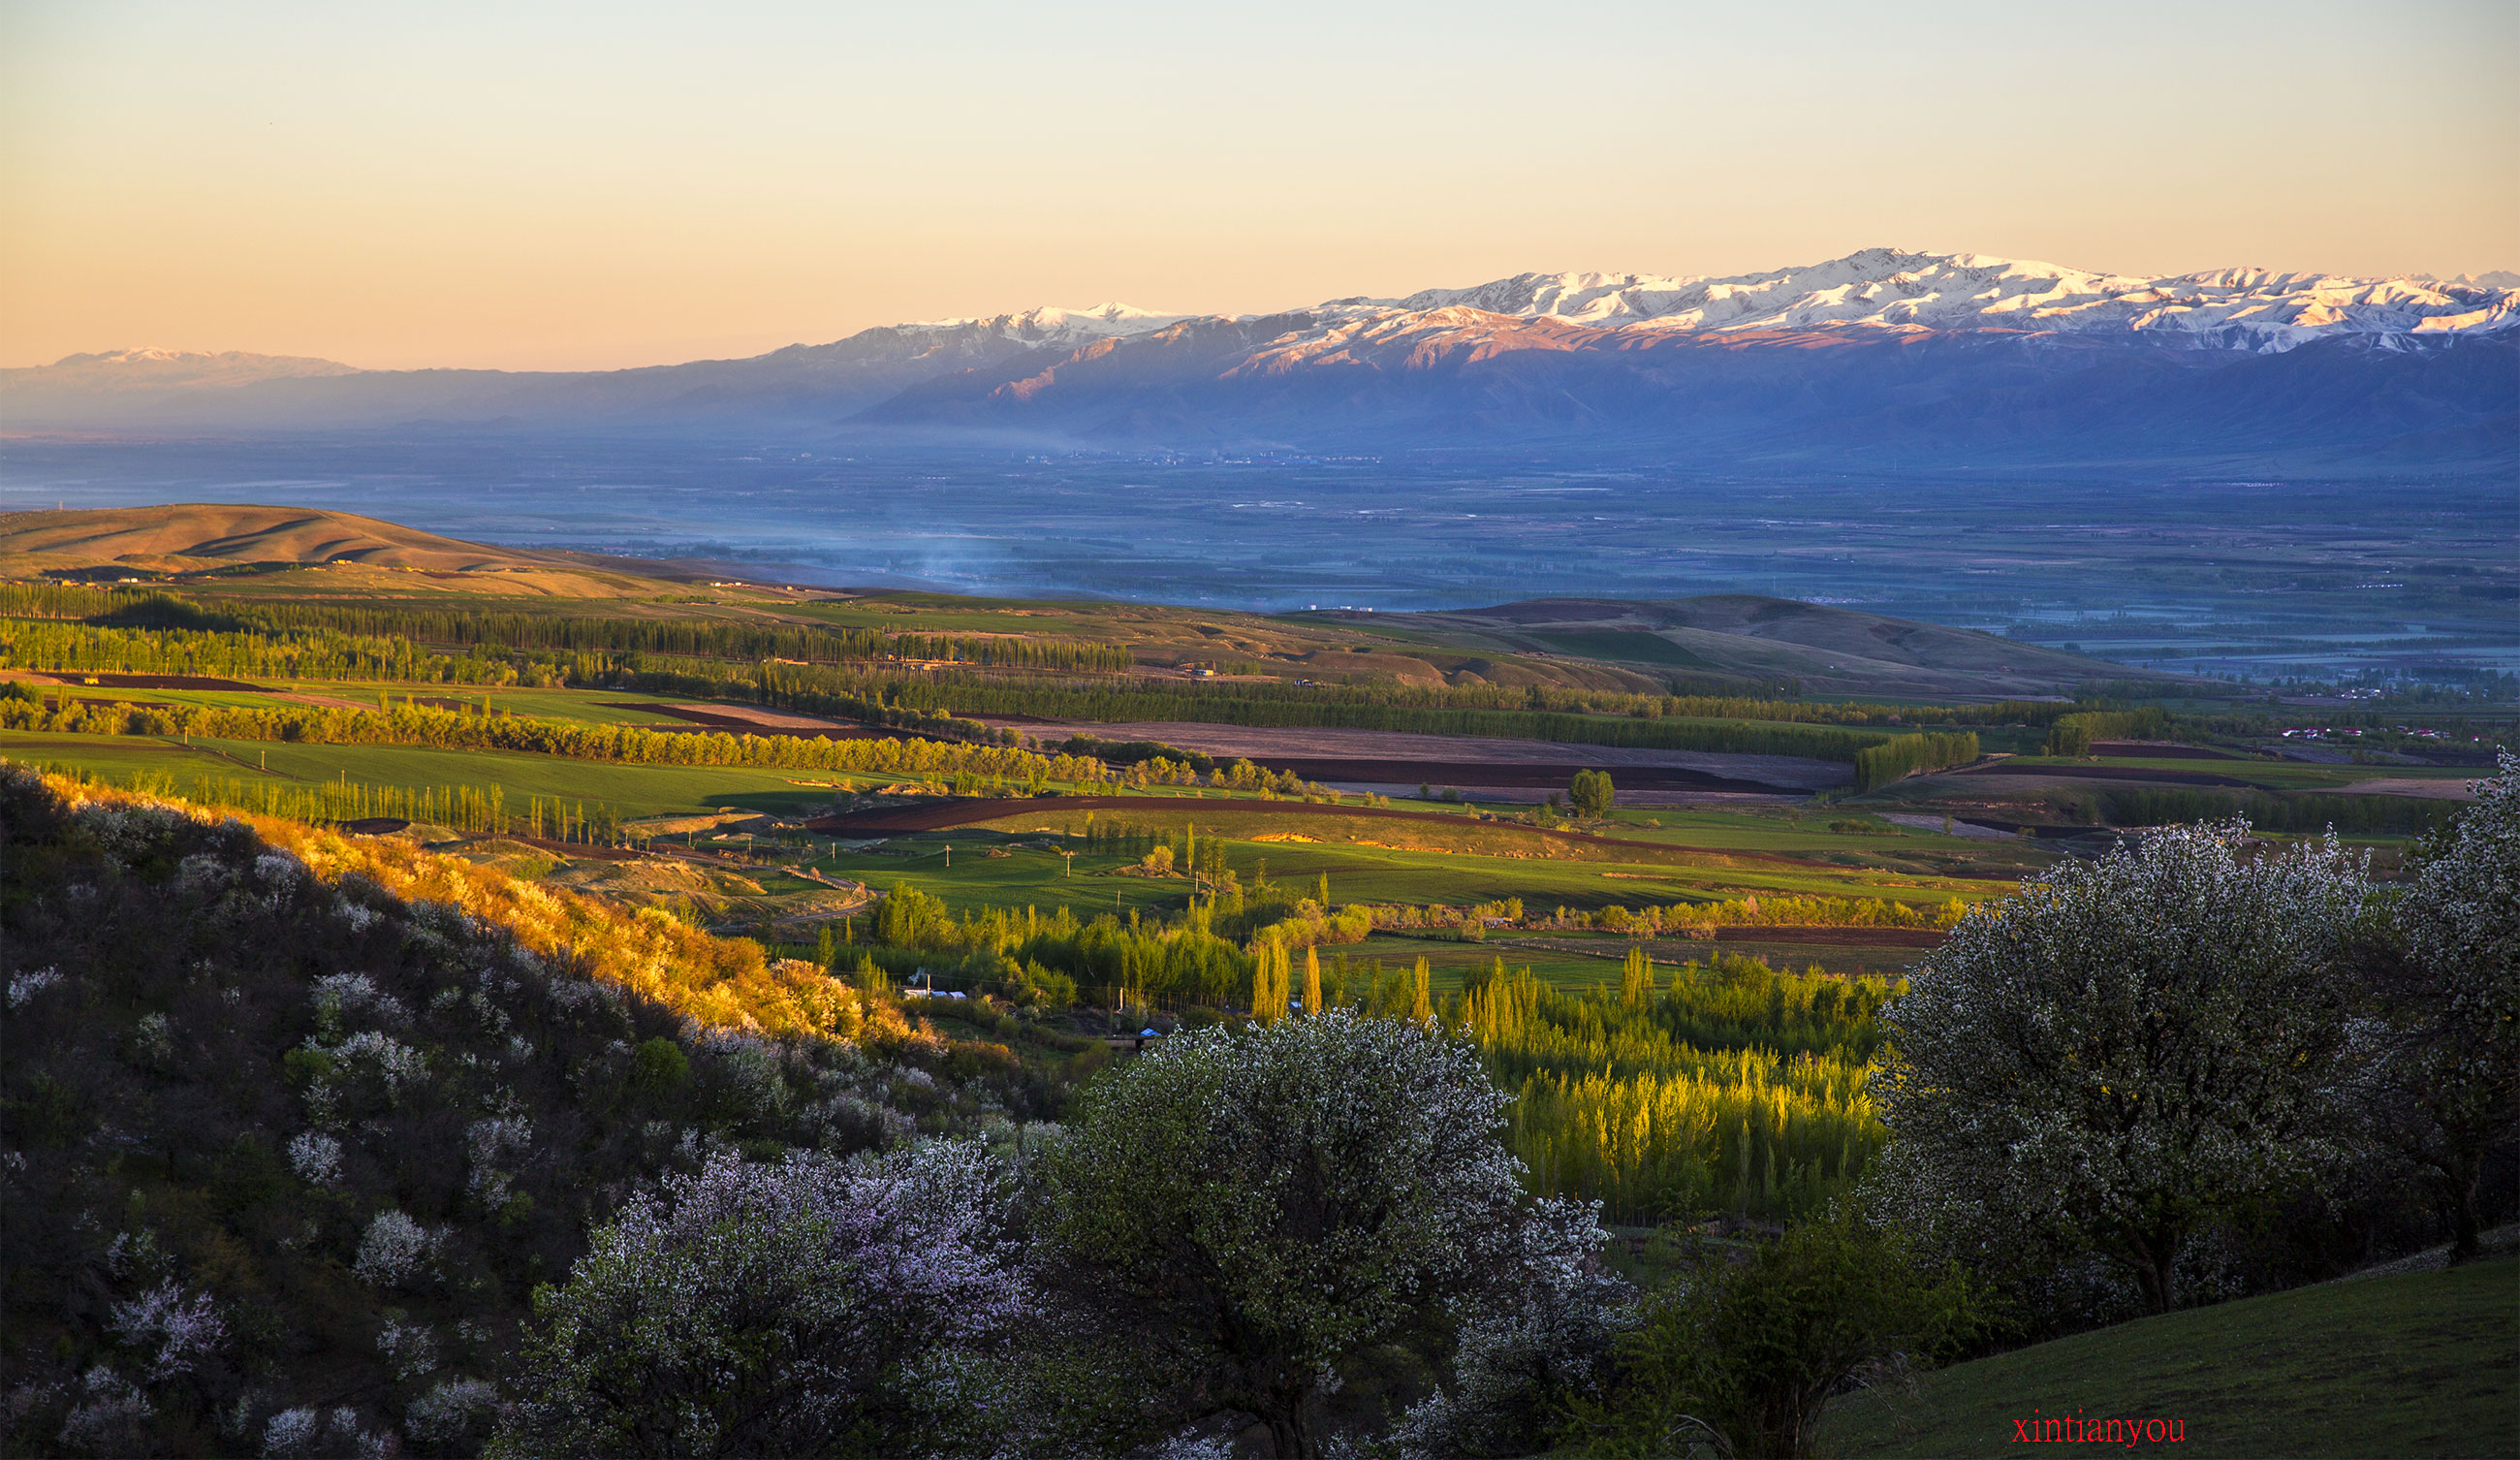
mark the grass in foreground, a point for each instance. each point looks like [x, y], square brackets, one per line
[2414, 1364]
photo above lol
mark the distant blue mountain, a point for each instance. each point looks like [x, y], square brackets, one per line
[1879, 360]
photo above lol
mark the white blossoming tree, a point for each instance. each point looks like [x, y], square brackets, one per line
[2124, 1054]
[809, 1307]
[2446, 982]
[1525, 1348]
[1255, 1204]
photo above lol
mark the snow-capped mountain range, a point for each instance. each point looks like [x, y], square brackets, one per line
[1886, 289]
[1880, 347]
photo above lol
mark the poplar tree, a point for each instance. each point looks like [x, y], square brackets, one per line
[1312, 980]
[1422, 1006]
[1271, 971]
[1635, 980]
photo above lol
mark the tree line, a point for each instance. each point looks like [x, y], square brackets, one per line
[841, 672]
[2296, 811]
[683, 636]
[411, 724]
[1880, 764]
[2073, 734]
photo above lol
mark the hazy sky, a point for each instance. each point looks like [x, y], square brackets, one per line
[542, 186]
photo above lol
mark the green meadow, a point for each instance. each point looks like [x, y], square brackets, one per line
[632, 791]
[572, 706]
[2408, 1364]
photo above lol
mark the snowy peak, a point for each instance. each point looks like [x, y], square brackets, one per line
[1892, 289]
[1051, 325]
[1880, 292]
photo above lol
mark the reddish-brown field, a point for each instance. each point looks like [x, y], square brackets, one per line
[937, 815]
[1507, 775]
[154, 681]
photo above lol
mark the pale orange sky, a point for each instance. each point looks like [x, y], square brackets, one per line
[537, 187]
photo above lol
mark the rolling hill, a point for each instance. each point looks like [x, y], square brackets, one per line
[193, 539]
[1831, 651]
[207, 533]
[1738, 640]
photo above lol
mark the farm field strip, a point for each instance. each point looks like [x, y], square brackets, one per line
[1326, 827]
[1779, 834]
[2261, 774]
[1464, 754]
[573, 707]
[1455, 964]
[1486, 775]
[630, 790]
[1375, 874]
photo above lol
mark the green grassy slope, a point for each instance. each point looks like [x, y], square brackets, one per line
[631, 789]
[2414, 1364]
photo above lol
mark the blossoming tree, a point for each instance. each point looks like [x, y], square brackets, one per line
[1264, 1202]
[2446, 980]
[2124, 1053]
[808, 1308]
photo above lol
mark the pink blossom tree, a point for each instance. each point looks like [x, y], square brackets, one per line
[808, 1308]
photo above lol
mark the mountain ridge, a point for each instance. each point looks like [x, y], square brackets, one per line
[1809, 296]
[1879, 359]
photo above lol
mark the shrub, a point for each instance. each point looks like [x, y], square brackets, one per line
[396, 1251]
[1742, 1353]
[661, 1067]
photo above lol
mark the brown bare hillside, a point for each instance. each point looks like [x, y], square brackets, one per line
[372, 555]
[250, 534]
